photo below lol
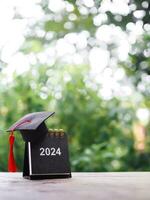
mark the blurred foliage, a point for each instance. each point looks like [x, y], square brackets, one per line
[138, 66]
[100, 131]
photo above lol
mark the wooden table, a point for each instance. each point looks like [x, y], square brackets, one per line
[84, 186]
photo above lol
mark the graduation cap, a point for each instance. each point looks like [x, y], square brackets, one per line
[35, 134]
[32, 126]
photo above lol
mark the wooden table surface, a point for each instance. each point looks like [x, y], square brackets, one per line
[84, 186]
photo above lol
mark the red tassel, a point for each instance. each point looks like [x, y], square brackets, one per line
[11, 161]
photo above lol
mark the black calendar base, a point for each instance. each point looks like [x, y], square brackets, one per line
[51, 176]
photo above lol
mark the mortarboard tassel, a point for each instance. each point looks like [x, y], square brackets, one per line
[11, 160]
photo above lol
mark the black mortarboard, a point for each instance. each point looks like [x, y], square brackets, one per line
[32, 126]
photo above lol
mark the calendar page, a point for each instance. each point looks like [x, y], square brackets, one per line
[50, 156]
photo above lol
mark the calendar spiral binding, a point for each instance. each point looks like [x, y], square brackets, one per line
[56, 132]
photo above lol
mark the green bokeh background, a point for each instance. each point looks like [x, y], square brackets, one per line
[101, 132]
